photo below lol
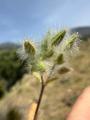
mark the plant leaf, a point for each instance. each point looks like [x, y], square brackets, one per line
[63, 70]
[60, 59]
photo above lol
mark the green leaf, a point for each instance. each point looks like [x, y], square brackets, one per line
[60, 59]
[58, 38]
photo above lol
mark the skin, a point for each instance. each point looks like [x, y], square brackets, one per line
[81, 109]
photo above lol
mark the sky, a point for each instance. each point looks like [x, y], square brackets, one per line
[21, 19]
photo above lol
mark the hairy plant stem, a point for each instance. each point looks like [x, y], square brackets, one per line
[43, 85]
[40, 98]
[51, 71]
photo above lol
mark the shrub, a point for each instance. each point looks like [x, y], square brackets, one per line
[13, 114]
[11, 69]
[2, 91]
[2, 88]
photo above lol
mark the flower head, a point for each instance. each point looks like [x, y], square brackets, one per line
[27, 50]
[29, 47]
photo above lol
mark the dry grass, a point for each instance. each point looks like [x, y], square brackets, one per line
[59, 96]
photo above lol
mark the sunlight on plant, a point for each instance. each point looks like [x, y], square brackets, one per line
[43, 59]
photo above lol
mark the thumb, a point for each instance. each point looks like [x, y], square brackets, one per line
[81, 109]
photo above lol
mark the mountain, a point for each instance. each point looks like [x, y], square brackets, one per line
[9, 46]
[84, 32]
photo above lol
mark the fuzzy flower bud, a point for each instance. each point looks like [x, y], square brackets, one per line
[29, 47]
[58, 38]
[70, 42]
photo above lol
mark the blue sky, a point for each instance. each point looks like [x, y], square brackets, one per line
[20, 19]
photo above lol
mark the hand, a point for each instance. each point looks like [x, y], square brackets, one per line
[81, 109]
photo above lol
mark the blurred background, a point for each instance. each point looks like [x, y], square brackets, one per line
[31, 19]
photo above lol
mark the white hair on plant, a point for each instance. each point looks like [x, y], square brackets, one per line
[74, 50]
[48, 62]
[27, 50]
[22, 54]
[70, 43]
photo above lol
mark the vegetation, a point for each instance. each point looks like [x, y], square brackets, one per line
[11, 69]
[13, 114]
[59, 96]
[2, 89]
[43, 63]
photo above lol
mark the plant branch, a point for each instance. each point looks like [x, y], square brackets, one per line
[42, 91]
[50, 74]
[40, 98]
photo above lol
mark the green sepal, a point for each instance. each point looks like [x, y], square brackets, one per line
[29, 48]
[58, 38]
[60, 59]
[48, 54]
[69, 42]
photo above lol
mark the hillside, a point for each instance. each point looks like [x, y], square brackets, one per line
[8, 46]
[84, 32]
[59, 96]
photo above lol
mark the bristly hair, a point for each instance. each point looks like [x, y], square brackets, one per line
[27, 50]
[53, 48]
